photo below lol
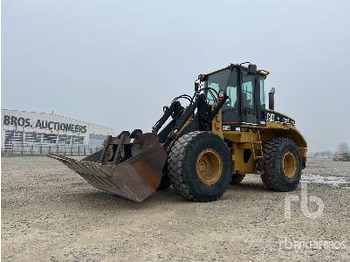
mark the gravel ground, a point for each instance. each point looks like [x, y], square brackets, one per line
[50, 213]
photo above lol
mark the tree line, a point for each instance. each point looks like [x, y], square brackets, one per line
[342, 148]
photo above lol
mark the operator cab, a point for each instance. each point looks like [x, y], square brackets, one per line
[244, 86]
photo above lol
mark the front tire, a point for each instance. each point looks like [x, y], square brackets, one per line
[164, 183]
[282, 165]
[200, 166]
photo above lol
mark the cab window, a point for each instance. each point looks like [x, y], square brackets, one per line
[225, 80]
[247, 94]
[217, 81]
[231, 101]
[262, 92]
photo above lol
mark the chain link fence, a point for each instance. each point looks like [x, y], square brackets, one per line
[43, 149]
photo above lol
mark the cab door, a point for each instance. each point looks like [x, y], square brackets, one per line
[248, 104]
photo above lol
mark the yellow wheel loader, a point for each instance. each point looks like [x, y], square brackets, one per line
[223, 133]
[341, 157]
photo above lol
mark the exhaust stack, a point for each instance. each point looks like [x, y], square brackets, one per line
[272, 99]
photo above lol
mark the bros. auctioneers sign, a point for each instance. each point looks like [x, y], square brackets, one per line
[42, 124]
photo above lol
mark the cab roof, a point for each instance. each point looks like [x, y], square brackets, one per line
[245, 66]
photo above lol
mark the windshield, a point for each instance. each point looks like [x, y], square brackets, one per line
[218, 81]
[225, 80]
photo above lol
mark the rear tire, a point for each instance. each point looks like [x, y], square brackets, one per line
[200, 166]
[282, 165]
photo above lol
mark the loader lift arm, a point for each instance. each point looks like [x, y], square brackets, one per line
[180, 124]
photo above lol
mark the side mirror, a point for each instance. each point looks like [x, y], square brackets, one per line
[196, 86]
[272, 99]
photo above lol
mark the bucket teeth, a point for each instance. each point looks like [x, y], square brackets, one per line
[136, 178]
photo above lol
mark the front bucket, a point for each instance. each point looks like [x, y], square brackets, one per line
[136, 178]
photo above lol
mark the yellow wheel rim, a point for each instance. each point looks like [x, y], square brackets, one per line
[289, 165]
[209, 166]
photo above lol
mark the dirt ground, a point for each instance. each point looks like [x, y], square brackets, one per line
[50, 213]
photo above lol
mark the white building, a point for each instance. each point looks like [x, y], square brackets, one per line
[38, 132]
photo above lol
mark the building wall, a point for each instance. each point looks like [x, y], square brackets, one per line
[32, 128]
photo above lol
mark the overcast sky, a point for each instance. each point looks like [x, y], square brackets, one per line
[116, 63]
